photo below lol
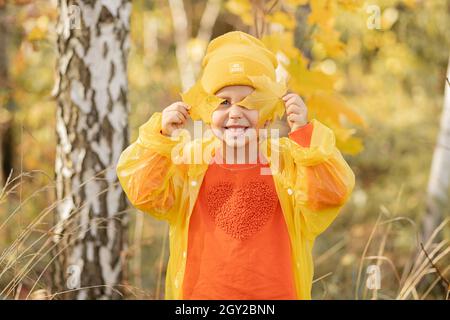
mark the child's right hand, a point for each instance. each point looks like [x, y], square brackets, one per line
[174, 117]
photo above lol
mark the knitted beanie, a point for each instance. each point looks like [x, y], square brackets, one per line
[234, 56]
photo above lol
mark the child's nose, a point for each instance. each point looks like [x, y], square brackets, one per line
[235, 112]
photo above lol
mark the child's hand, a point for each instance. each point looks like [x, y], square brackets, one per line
[174, 117]
[296, 111]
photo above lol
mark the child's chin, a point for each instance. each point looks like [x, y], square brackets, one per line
[235, 143]
[238, 142]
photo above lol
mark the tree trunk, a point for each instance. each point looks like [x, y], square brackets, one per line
[189, 68]
[439, 180]
[92, 131]
[205, 30]
[6, 118]
[180, 27]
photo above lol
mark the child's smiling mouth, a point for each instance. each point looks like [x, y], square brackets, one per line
[235, 130]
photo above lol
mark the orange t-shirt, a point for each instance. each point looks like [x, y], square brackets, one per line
[238, 242]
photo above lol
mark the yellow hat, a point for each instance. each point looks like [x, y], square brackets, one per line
[230, 58]
[237, 58]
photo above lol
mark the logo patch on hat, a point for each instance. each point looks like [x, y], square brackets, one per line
[236, 67]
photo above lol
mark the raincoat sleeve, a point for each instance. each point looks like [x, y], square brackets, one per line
[322, 179]
[147, 173]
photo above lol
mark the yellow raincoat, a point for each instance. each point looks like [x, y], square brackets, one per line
[312, 183]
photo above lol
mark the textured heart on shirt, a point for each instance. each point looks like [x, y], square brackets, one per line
[242, 211]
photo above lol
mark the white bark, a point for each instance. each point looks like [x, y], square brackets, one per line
[207, 22]
[180, 28]
[92, 131]
[439, 180]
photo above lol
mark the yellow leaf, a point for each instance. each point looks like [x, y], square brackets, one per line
[410, 3]
[332, 107]
[36, 34]
[247, 18]
[266, 98]
[307, 82]
[283, 42]
[241, 8]
[283, 19]
[297, 2]
[352, 145]
[202, 103]
[350, 5]
[329, 38]
[322, 12]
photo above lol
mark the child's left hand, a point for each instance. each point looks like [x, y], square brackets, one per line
[296, 111]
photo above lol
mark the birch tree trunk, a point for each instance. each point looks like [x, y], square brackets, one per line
[92, 130]
[180, 27]
[189, 68]
[439, 180]
[6, 118]
[209, 18]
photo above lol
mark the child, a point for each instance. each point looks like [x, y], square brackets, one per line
[244, 214]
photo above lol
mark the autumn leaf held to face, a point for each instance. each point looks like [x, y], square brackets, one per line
[266, 98]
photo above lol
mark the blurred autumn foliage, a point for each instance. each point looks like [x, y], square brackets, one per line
[375, 77]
